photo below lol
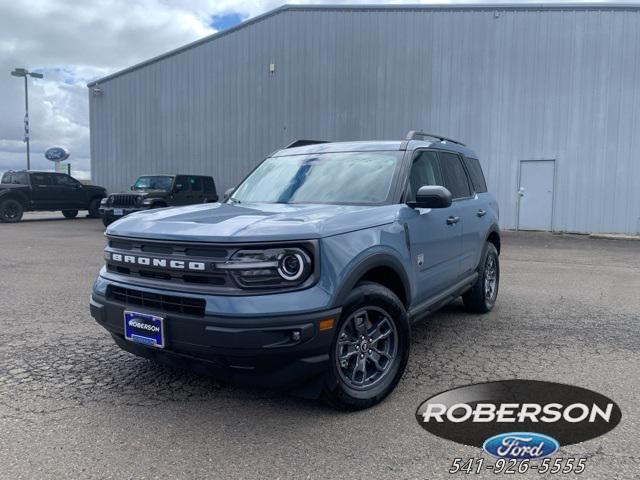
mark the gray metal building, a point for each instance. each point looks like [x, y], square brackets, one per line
[548, 96]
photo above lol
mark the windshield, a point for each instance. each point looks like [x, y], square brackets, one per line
[153, 183]
[344, 177]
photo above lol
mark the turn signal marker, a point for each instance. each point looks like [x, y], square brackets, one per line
[326, 324]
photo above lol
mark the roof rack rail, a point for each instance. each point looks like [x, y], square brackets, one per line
[417, 135]
[303, 143]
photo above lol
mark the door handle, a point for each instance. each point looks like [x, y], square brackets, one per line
[481, 213]
[453, 220]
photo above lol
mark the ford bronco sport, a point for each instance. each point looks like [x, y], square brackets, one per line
[158, 191]
[310, 275]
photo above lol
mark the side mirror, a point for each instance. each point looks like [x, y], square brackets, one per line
[132, 188]
[178, 187]
[432, 196]
[227, 194]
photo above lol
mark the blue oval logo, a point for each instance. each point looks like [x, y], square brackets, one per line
[56, 154]
[521, 446]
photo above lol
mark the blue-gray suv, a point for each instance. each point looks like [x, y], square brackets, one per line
[311, 272]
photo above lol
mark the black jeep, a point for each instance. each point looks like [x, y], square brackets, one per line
[46, 191]
[158, 191]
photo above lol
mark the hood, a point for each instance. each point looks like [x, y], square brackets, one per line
[221, 222]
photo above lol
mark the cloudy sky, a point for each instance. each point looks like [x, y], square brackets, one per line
[72, 42]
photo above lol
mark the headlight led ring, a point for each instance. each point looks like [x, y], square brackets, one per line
[291, 266]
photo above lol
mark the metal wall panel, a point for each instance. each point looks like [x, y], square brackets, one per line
[513, 83]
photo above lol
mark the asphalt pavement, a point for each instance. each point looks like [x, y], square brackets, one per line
[72, 405]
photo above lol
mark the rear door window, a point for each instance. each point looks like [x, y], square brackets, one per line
[475, 172]
[195, 184]
[454, 175]
[41, 179]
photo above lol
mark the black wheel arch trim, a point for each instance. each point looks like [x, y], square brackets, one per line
[18, 196]
[374, 260]
[494, 228]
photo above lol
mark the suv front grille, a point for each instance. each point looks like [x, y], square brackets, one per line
[124, 200]
[166, 303]
[207, 255]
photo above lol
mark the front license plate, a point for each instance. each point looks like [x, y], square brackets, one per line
[144, 328]
[118, 212]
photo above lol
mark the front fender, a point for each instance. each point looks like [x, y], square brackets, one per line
[346, 258]
[370, 261]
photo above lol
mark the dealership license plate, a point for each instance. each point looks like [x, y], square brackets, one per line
[118, 212]
[144, 328]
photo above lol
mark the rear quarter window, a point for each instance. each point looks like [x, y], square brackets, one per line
[475, 172]
[209, 186]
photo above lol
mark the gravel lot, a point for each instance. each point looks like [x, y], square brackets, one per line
[72, 405]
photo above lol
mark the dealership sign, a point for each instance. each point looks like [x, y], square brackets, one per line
[518, 419]
[56, 154]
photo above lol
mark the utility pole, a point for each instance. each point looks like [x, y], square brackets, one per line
[23, 72]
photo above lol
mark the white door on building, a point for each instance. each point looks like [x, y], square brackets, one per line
[535, 192]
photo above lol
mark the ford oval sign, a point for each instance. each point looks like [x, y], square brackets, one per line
[56, 154]
[494, 416]
[521, 446]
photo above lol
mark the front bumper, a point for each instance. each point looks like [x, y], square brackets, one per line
[272, 351]
[109, 212]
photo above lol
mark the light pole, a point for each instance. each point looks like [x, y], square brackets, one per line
[23, 72]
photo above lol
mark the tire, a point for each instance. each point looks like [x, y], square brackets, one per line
[70, 213]
[94, 206]
[106, 221]
[11, 211]
[350, 384]
[482, 296]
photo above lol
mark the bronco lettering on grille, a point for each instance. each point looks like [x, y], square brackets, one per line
[159, 262]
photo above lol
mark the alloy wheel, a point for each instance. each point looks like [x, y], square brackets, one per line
[366, 348]
[490, 278]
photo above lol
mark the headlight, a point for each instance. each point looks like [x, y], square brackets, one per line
[273, 267]
[104, 201]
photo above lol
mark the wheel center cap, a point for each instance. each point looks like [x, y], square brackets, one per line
[364, 346]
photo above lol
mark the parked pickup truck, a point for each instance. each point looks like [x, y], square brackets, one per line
[25, 191]
[158, 191]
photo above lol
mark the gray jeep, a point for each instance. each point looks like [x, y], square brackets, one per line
[310, 275]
